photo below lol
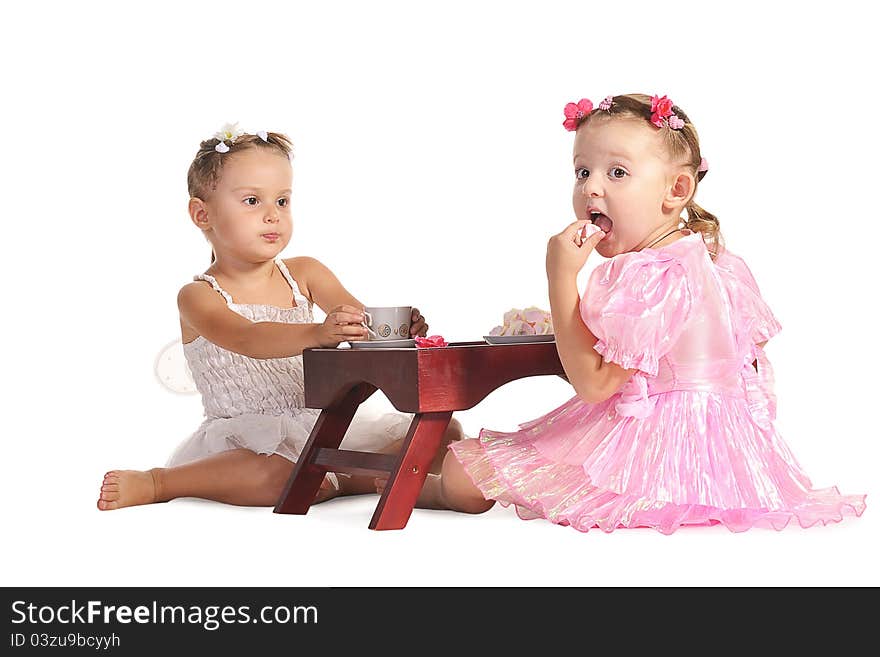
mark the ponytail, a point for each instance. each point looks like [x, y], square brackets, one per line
[706, 223]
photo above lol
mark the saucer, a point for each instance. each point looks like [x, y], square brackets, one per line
[382, 344]
[519, 339]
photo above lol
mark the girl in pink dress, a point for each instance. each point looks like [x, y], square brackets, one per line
[672, 423]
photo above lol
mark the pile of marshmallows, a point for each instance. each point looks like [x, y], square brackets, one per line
[530, 321]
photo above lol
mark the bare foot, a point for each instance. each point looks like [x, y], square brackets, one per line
[359, 485]
[328, 490]
[430, 497]
[127, 488]
[453, 434]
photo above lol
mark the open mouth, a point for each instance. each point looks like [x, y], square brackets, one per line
[602, 221]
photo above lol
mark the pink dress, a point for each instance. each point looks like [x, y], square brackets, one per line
[689, 439]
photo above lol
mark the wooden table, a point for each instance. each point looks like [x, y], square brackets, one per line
[431, 383]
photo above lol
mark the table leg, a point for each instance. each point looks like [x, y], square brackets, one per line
[406, 480]
[306, 478]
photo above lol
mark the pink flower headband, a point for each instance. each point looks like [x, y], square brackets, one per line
[574, 112]
[661, 115]
[661, 112]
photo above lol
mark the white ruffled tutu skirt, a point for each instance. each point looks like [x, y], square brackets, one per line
[287, 434]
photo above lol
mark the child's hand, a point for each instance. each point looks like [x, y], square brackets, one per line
[418, 325]
[567, 251]
[341, 324]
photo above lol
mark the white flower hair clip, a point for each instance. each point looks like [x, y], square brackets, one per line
[229, 132]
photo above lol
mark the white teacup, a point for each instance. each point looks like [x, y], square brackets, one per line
[388, 322]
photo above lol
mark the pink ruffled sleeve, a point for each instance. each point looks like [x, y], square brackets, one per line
[755, 318]
[637, 305]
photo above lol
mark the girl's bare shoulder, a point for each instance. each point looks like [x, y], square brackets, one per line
[304, 265]
[195, 293]
[306, 270]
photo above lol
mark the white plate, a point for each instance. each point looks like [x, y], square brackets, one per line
[382, 344]
[518, 339]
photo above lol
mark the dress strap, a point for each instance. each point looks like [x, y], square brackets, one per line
[297, 295]
[213, 281]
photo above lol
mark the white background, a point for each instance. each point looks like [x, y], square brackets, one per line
[431, 167]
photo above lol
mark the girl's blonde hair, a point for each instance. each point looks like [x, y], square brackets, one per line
[683, 145]
[207, 165]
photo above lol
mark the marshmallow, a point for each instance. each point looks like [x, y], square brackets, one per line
[590, 230]
[531, 321]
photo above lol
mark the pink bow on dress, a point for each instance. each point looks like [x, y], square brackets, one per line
[634, 400]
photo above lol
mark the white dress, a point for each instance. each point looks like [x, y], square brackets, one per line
[259, 404]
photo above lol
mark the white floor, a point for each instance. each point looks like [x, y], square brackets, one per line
[189, 543]
[55, 536]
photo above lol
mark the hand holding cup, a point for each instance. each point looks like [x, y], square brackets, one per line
[392, 322]
[418, 325]
[343, 323]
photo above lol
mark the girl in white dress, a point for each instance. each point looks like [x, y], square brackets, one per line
[244, 325]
